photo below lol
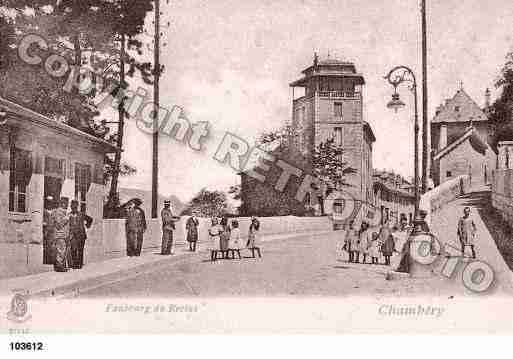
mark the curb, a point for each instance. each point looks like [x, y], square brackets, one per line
[74, 288]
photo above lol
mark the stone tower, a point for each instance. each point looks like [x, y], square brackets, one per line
[330, 106]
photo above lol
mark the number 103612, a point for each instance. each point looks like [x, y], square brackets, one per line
[25, 346]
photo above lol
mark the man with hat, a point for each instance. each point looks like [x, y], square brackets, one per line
[168, 226]
[135, 226]
[78, 221]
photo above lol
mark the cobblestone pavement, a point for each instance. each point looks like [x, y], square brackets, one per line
[307, 266]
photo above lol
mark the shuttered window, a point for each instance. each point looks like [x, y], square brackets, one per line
[82, 184]
[19, 179]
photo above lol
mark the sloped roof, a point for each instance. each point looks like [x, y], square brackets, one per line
[20, 113]
[461, 108]
[475, 141]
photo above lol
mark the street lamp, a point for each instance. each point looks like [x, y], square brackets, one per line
[417, 239]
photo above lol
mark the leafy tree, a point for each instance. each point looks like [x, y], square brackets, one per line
[327, 159]
[100, 35]
[328, 165]
[501, 112]
[207, 204]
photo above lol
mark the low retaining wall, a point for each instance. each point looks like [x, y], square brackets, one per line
[115, 240]
[502, 195]
[432, 201]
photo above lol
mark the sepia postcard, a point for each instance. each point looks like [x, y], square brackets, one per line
[255, 167]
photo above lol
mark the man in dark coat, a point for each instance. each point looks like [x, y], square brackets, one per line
[168, 226]
[192, 231]
[135, 226]
[78, 221]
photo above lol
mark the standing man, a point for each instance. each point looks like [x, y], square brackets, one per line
[192, 231]
[168, 226]
[135, 226]
[78, 221]
[467, 232]
[59, 225]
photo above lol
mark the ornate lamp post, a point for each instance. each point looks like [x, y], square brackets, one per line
[417, 239]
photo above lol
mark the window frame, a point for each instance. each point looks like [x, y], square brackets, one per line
[83, 181]
[15, 195]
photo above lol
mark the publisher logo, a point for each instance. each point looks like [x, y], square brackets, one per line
[19, 309]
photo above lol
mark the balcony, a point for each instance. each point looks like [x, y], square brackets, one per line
[340, 94]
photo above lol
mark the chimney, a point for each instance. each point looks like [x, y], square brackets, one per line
[442, 139]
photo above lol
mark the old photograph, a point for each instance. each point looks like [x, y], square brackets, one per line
[265, 167]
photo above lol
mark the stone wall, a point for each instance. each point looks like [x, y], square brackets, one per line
[502, 196]
[432, 201]
[115, 240]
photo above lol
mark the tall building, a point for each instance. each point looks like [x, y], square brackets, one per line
[460, 136]
[330, 105]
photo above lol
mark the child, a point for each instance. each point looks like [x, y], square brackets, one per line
[352, 243]
[365, 240]
[235, 240]
[374, 248]
[388, 247]
[214, 232]
[254, 227]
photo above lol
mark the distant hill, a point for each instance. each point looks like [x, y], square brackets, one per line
[126, 194]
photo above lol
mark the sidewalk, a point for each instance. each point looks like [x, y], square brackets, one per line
[109, 271]
[444, 225]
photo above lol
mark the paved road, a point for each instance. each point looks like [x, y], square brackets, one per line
[301, 266]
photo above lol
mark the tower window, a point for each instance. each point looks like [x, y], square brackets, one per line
[457, 108]
[338, 109]
[338, 136]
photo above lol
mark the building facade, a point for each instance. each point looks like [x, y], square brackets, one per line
[394, 197]
[41, 157]
[460, 133]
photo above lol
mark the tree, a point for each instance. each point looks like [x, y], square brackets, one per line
[328, 165]
[100, 35]
[207, 204]
[501, 112]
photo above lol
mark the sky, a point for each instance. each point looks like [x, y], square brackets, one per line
[230, 62]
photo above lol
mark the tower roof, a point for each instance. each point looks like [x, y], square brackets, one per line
[330, 68]
[460, 108]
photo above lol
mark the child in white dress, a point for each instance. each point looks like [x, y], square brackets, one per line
[235, 244]
[374, 248]
[215, 234]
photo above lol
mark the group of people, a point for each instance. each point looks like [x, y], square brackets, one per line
[64, 234]
[225, 238]
[382, 242]
[373, 243]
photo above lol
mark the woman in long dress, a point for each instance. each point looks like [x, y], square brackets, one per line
[214, 232]
[225, 237]
[365, 240]
[59, 220]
